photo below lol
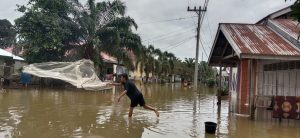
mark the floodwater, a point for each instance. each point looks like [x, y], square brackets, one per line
[49, 113]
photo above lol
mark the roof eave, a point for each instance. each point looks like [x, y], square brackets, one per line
[214, 44]
[231, 41]
[269, 57]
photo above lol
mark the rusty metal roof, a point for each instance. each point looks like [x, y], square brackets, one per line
[250, 40]
[107, 58]
[289, 26]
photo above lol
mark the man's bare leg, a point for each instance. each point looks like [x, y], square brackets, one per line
[130, 111]
[151, 108]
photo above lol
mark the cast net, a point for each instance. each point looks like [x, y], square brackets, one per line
[80, 74]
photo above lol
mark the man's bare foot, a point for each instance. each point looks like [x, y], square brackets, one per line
[157, 113]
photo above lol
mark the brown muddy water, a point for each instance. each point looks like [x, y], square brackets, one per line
[49, 113]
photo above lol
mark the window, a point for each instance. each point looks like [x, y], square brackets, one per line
[282, 66]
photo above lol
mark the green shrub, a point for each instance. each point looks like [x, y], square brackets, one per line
[211, 82]
[223, 91]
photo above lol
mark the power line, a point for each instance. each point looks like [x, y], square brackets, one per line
[172, 36]
[175, 46]
[202, 17]
[167, 34]
[203, 13]
[179, 40]
[206, 3]
[168, 20]
[203, 48]
[210, 32]
[191, 13]
[179, 43]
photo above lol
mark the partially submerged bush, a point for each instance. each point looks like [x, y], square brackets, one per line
[211, 82]
[223, 91]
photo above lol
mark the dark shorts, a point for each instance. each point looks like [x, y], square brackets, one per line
[137, 100]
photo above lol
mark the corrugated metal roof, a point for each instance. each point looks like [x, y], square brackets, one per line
[5, 53]
[8, 54]
[257, 40]
[107, 58]
[289, 26]
[18, 58]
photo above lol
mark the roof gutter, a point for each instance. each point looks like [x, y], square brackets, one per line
[269, 57]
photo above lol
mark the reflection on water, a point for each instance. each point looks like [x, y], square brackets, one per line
[65, 113]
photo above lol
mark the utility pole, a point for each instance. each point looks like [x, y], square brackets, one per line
[199, 12]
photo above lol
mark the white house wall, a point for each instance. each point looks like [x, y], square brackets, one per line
[280, 82]
[259, 78]
[233, 88]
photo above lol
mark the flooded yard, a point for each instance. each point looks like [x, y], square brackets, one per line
[64, 113]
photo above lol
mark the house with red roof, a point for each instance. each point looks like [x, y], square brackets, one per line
[264, 64]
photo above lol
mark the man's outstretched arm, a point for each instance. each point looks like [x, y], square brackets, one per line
[121, 95]
[114, 83]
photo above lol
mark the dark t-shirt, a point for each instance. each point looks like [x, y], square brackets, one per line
[132, 91]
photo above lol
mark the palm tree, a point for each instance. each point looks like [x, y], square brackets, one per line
[189, 65]
[167, 64]
[103, 27]
[146, 61]
[190, 62]
[178, 66]
[157, 53]
[154, 61]
[205, 71]
[171, 58]
[124, 41]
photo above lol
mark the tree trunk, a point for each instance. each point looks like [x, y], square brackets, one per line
[147, 76]
[89, 51]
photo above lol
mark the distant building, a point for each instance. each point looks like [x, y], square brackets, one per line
[112, 67]
[10, 65]
[224, 78]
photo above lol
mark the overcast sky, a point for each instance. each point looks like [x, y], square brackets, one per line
[167, 25]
